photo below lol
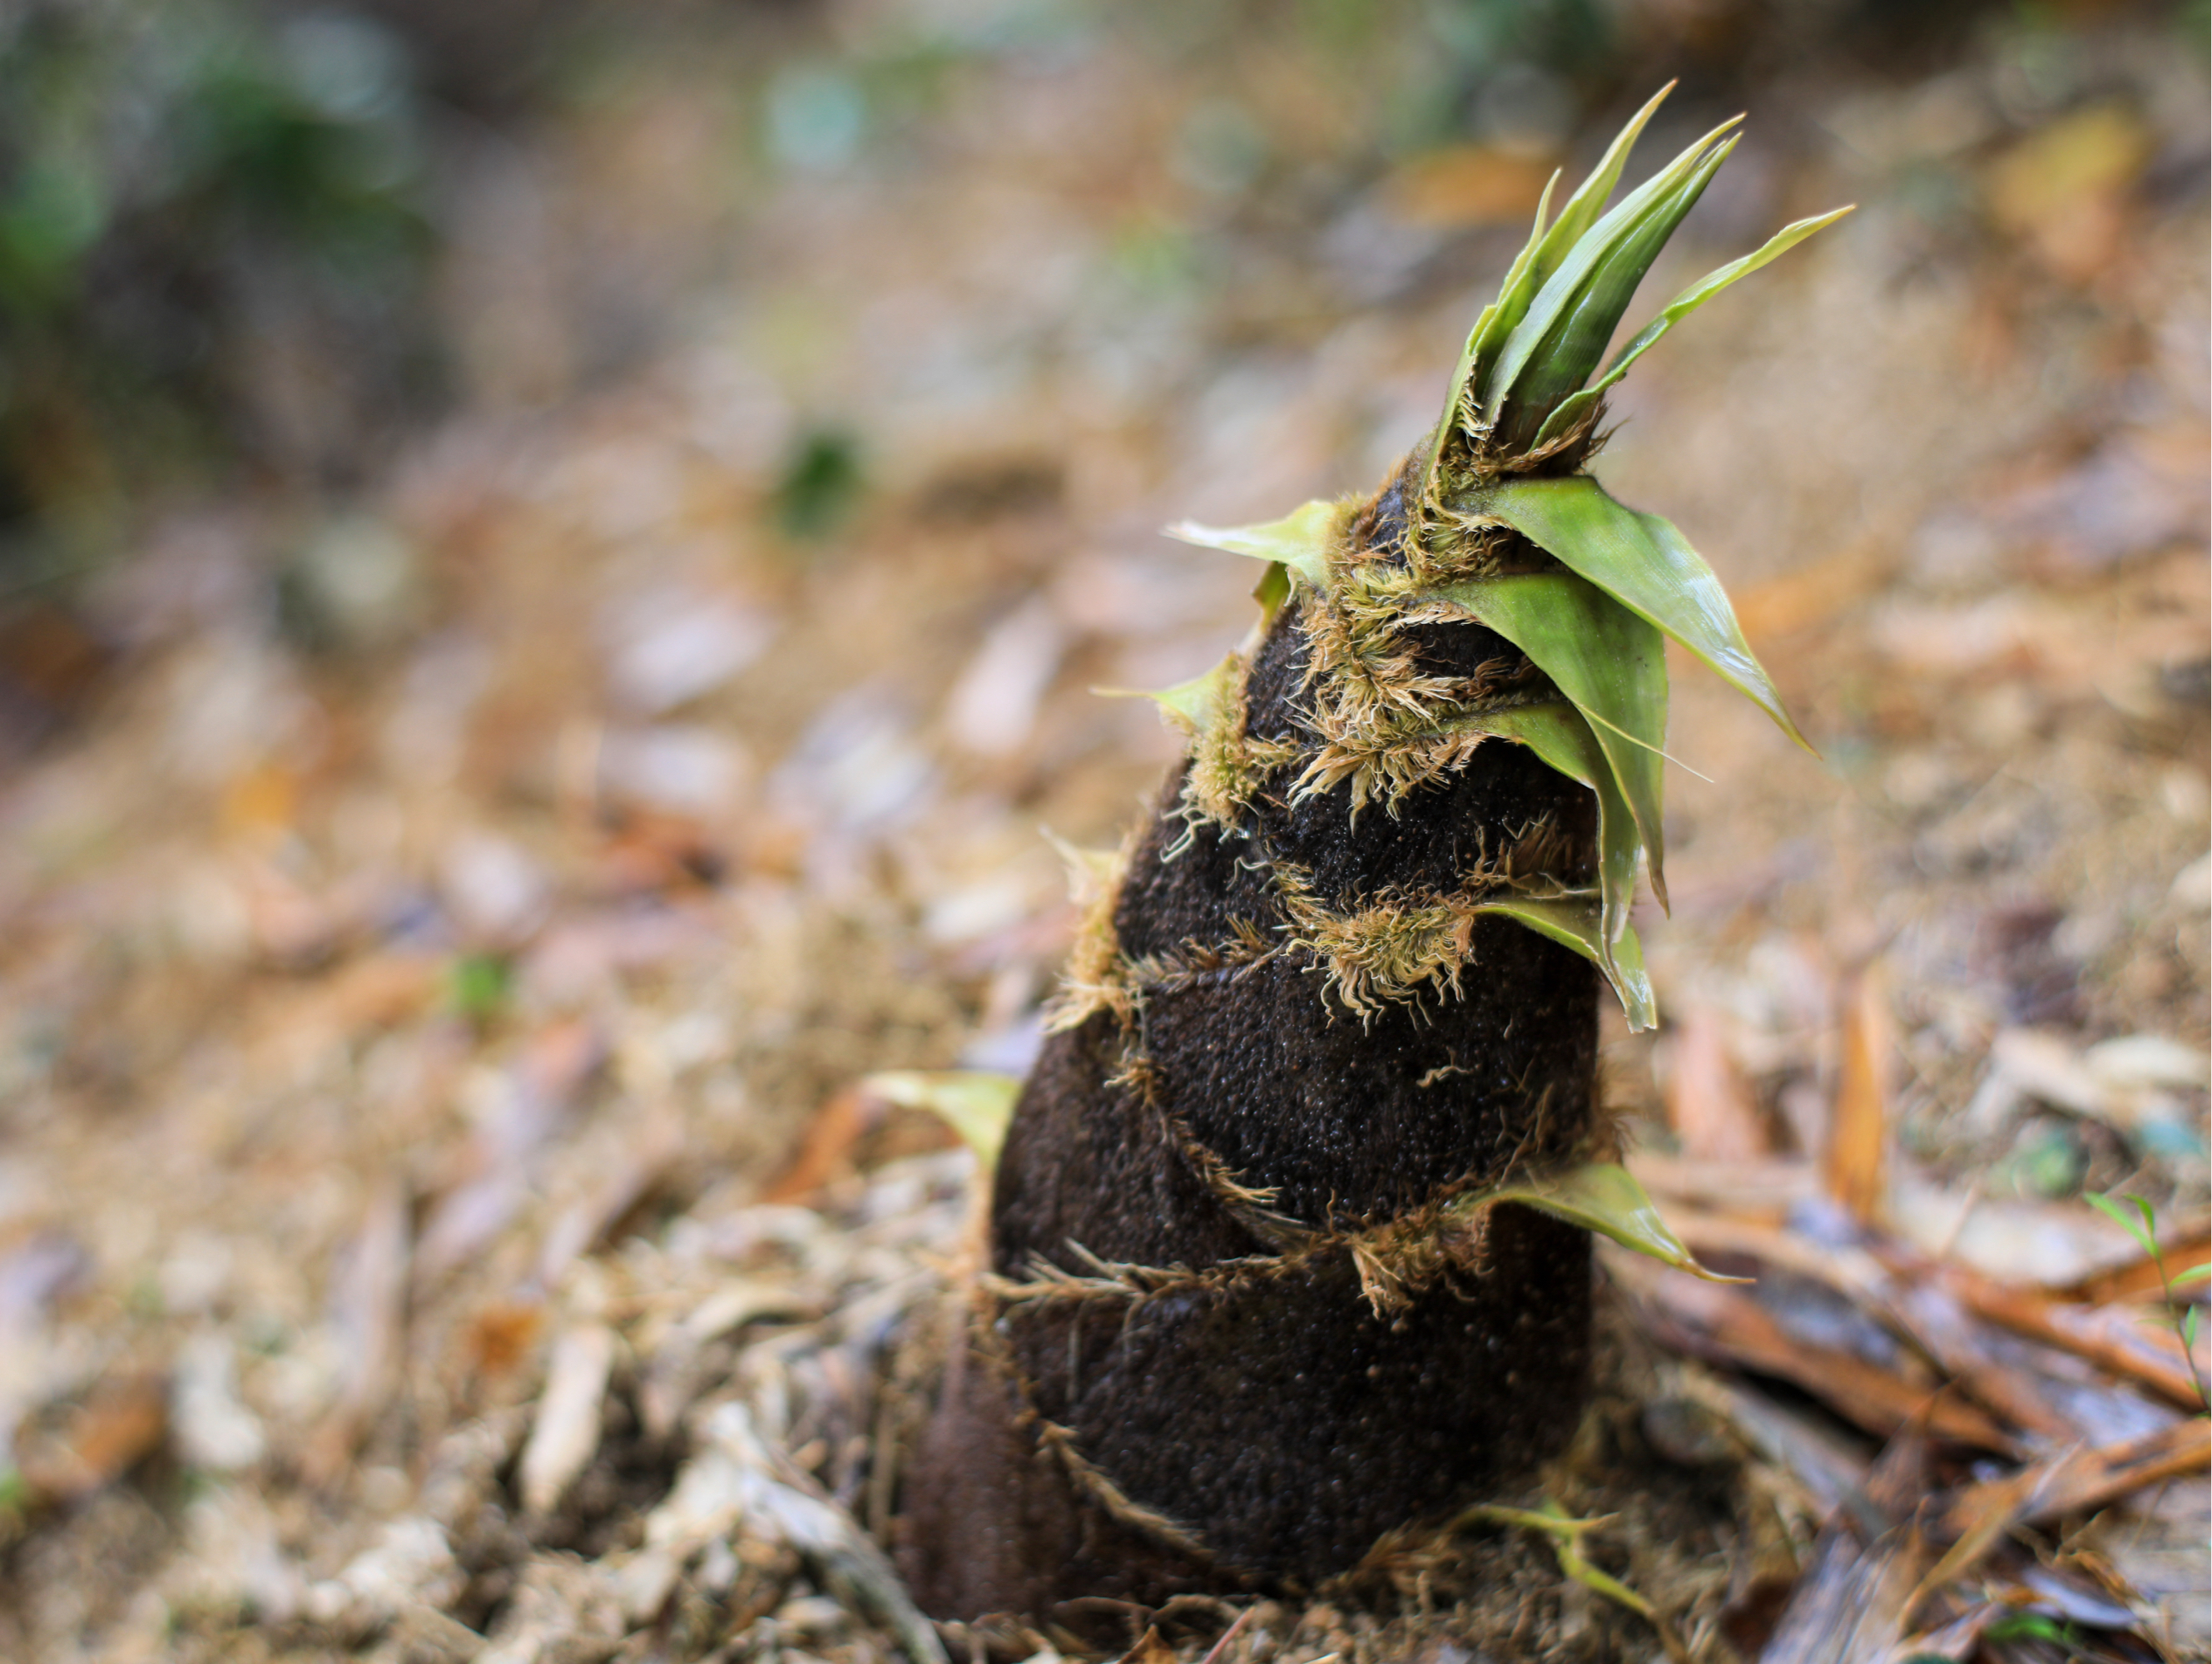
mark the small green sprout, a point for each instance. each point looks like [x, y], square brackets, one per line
[2141, 1223]
[476, 985]
[1566, 1534]
[820, 486]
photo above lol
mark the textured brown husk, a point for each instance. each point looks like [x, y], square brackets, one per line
[1177, 1375]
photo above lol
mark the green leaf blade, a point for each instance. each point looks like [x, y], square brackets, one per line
[1539, 260]
[1557, 732]
[975, 1104]
[1563, 288]
[1647, 564]
[1483, 340]
[1566, 413]
[1301, 542]
[1605, 1198]
[1607, 661]
[2142, 1228]
[1570, 350]
[1578, 923]
[1189, 706]
[1582, 209]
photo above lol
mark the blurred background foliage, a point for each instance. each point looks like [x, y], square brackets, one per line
[223, 224]
[250, 248]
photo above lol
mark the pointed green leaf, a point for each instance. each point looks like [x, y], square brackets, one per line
[1660, 201]
[1607, 661]
[1647, 564]
[1198, 700]
[2194, 1274]
[1557, 732]
[1564, 416]
[2143, 1229]
[1583, 208]
[1189, 705]
[1565, 357]
[1578, 922]
[975, 1105]
[1603, 1197]
[1542, 256]
[1271, 592]
[1490, 329]
[1301, 541]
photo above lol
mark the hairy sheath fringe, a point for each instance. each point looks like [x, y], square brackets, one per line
[1203, 1357]
[1287, 1248]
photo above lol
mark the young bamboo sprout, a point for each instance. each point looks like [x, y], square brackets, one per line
[1288, 1242]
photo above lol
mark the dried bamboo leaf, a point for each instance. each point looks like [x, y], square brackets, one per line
[1723, 1325]
[1646, 564]
[1570, 408]
[975, 1103]
[1850, 1603]
[2110, 1336]
[1855, 1165]
[1607, 661]
[2080, 1480]
[1300, 542]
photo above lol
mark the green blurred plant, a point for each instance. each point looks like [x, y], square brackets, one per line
[178, 183]
[820, 485]
[2033, 1626]
[477, 985]
[2140, 1220]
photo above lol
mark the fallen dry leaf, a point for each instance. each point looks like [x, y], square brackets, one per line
[1725, 1325]
[1855, 1166]
[827, 1148]
[1708, 1103]
[2080, 1481]
[122, 1421]
[1851, 1602]
[2112, 1337]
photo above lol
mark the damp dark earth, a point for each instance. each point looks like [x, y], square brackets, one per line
[569, 580]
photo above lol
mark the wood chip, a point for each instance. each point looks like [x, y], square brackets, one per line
[566, 1435]
[369, 1315]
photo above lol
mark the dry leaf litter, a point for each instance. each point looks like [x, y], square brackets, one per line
[438, 1219]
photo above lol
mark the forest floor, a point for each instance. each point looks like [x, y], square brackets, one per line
[438, 1215]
